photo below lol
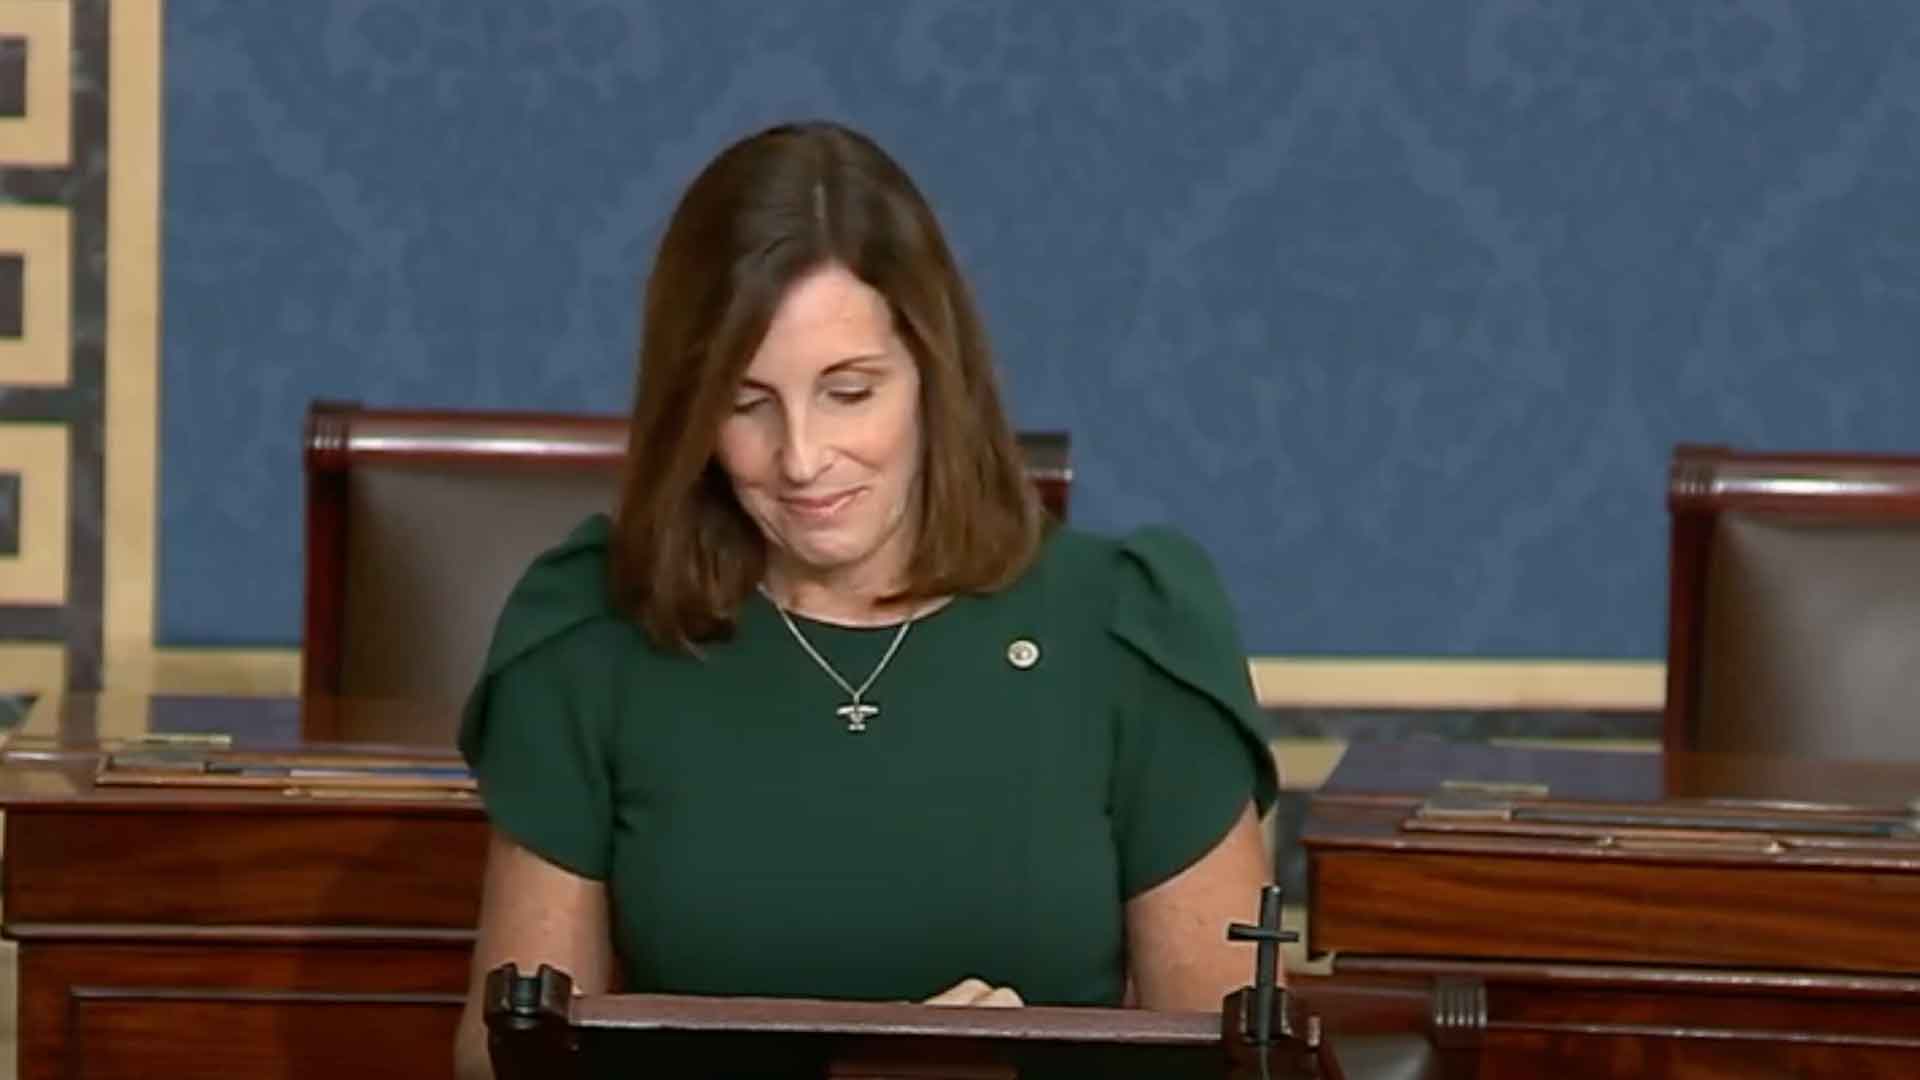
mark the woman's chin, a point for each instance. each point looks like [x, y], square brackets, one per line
[825, 550]
[823, 560]
[822, 553]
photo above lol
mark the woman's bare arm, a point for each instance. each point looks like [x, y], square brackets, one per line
[532, 913]
[1178, 956]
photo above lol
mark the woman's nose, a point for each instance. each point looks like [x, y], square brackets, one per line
[801, 456]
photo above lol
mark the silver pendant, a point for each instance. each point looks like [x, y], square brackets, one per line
[856, 714]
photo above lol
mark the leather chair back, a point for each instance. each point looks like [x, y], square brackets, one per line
[1794, 607]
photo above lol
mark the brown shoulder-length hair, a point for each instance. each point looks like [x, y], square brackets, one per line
[767, 211]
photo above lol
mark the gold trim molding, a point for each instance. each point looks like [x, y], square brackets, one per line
[133, 332]
[213, 672]
[1279, 682]
[1375, 683]
[44, 136]
[32, 668]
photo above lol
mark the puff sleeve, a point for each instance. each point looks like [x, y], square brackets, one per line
[535, 731]
[1190, 750]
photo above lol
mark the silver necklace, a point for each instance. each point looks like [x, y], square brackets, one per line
[857, 711]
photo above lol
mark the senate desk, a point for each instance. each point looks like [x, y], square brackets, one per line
[1634, 914]
[232, 930]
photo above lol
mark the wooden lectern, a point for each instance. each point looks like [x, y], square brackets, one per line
[538, 1029]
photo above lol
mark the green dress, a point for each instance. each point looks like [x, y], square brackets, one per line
[991, 821]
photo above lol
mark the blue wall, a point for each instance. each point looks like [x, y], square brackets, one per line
[1397, 307]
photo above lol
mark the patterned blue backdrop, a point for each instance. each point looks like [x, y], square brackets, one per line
[1397, 307]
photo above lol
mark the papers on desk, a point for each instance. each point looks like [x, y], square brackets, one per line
[316, 774]
[1727, 826]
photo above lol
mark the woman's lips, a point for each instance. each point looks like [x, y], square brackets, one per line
[819, 509]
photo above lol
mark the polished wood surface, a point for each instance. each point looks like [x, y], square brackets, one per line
[134, 1008]
[287, 865]
[1767, 935]
[146, 1033]
[232, 932]
[1725, 478]
[1403, 1027]
[1031, 1024]
[798, 1038]
[540, 1029]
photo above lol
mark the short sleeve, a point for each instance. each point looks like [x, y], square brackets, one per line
[1190, 750]
[540, 755]
[536, 730]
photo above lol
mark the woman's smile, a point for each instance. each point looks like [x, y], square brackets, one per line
[820, 509]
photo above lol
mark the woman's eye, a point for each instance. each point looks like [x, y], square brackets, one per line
[850, 395]
[748, 405]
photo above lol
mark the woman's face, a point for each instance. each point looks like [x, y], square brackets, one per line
[823, 442]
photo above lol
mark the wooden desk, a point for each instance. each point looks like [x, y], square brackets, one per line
[1614, 948]
[229, 932]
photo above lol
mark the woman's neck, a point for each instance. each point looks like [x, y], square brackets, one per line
[850, 599]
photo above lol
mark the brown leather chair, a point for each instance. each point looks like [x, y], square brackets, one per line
[1794, 604]
[418, 524]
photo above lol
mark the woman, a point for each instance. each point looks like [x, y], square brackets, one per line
[826, 710]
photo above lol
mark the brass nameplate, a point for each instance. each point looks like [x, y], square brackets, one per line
[1457, 807]
[203, 740]
[1495, 789]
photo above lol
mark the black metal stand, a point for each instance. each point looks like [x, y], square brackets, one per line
[529, 1030]
[1266, 1031]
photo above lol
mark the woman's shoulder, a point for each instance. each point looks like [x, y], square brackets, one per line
[1155, 563]
[1156, 592]
[557, 627]
[1162, 603]
[562, 595]
[1154, 589]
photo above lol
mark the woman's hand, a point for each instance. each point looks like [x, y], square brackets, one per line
[977, 992]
